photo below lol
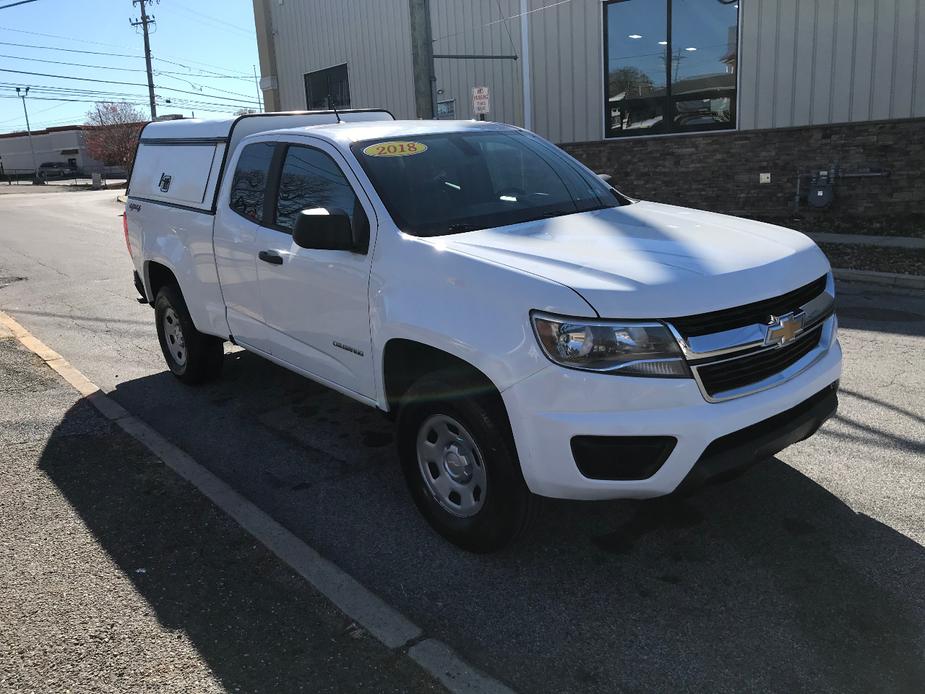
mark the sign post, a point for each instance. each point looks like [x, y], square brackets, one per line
[480, 101]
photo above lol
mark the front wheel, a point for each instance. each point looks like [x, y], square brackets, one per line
[459, 461]
[192, 356]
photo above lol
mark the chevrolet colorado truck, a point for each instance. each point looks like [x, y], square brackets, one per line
[533, 331]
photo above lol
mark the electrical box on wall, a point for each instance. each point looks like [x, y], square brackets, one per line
[764, 178]
[820, 192]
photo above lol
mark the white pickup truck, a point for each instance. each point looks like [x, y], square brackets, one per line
[533, 331]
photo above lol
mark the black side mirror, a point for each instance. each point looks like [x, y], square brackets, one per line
[327, 230]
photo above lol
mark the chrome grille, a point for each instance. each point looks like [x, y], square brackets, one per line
[749, 348]
[730, 374]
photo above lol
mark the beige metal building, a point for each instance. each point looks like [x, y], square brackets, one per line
[751, 92]
[780, 62]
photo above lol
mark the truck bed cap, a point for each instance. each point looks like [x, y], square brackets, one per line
[221, 128]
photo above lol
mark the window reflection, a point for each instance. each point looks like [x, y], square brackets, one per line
[636, 53]
[311, 179]
[670, 65]
[704, 56]
[250, 180]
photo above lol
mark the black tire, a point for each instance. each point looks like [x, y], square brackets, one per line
[508, 507]
[202, 358]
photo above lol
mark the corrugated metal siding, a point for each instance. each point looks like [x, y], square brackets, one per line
[373, 38]
[808, 62]
[483, 27]
[801, 62]
[567, 61]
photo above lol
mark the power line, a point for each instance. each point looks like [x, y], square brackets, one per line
[210, 108]
[161, 73]
[242, 73]
[216, 20]
[14, 4]
[64, 62]
[129, 84]
[172, 75]
[210, 75]
[90, 95]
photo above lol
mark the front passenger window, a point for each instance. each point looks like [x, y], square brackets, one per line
[309, 179]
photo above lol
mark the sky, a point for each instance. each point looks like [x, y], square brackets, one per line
[204, 57]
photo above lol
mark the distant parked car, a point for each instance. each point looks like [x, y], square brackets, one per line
[57, 169]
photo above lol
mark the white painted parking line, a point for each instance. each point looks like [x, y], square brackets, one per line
[381, 620]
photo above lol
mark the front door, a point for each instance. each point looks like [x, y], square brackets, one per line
[316, 302]
[236, 245]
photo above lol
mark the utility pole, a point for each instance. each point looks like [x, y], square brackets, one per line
[35, 166]
[422, 59]
[143, 23]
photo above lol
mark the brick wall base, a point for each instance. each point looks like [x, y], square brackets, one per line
[720, 172]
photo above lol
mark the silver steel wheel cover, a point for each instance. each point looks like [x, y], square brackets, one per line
[451, 465]
[173, 335]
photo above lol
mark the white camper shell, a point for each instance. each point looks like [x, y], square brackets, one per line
[181, 162]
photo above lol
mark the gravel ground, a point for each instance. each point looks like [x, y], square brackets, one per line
[117, 576]
[855, 257]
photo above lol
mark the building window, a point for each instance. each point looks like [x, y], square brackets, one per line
[670, 66]
[327, 88]
[446, 109]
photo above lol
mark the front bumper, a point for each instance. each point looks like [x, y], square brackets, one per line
[550, 408]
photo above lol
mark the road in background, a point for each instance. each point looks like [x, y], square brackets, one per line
[806, 573]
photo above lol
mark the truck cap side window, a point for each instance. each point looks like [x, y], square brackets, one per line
[249, 185]
[310, 179]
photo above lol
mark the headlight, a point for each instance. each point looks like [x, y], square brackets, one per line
[624, 348]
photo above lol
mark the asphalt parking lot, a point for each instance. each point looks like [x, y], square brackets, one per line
[807, 573]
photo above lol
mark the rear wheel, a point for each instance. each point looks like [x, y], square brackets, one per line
[191, 356]
[460, 464]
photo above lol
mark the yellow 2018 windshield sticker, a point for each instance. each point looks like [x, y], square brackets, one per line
[395, 148]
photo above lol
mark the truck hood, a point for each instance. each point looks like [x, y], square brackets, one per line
[649, 260]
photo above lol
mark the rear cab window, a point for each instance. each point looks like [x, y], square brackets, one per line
[249, 183]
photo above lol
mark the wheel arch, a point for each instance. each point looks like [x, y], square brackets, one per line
[405, 360]
[157, 275]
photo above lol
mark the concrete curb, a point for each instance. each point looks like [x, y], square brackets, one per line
[381, 620]
[883, 279]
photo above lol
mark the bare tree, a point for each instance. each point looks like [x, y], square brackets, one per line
[112, 132]
[631, 80]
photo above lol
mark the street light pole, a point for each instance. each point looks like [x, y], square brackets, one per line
[35, 166]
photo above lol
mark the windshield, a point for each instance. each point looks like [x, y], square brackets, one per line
[448, 183]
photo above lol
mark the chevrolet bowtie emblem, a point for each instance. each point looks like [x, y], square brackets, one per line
[783, 329]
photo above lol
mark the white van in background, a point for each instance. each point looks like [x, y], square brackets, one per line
[533, 331]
